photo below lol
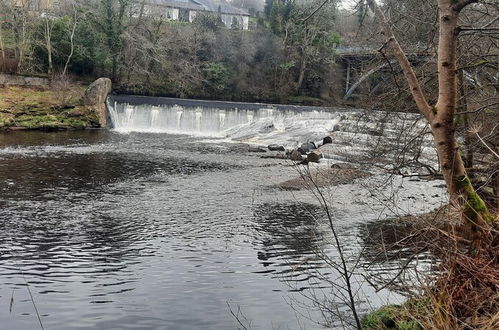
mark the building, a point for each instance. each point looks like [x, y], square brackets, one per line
[186, 10]
[34, 5]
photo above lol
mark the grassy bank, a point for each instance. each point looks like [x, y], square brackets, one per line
[40, 108]
[461, 292]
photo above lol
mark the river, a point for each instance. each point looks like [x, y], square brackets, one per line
[152, 229]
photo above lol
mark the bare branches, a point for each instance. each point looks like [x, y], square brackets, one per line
[315, 11]
[404, 63]
[461, 4]
[71, 40]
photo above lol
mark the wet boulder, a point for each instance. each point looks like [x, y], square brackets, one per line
[314, 156]
[327, 140]
[257, 149]
[307, 147]
[296, 155]
[276, 147]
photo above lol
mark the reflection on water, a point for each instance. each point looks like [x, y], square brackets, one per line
[151, 231]
[389, 245]
[291, 239]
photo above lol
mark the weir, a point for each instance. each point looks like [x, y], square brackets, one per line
[210, 118]
[356, 134]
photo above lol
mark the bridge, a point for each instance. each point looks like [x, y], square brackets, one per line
[357, 63]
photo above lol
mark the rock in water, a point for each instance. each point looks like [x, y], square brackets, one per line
[327, 140]
[95, 98]
[296, 156]
[314, 156]
[256, 149]
[276, 147]
[308, 146]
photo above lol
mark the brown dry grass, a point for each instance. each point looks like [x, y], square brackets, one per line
[463, 293]
[466, 294]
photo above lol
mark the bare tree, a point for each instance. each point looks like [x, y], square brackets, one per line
[48, 25]
[71, 39]
[441, 115]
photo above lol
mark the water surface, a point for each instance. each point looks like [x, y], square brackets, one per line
[161, 231]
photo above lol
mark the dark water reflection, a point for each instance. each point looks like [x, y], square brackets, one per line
[149, 231]
[291, 239]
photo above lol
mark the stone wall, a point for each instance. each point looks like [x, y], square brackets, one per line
[14, 80]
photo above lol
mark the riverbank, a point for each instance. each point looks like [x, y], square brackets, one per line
[452, 293]
[45, 108]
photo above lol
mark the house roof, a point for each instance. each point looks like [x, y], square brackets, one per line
[226, 8]
[187, 4]
[202, 5]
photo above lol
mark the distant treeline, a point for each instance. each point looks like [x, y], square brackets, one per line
[287, 56]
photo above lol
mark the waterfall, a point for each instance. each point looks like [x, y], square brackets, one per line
[213, 119]
[354, 132]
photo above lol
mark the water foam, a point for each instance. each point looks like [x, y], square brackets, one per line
[286, 126]
[356, 134]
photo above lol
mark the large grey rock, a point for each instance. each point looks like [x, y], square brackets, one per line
[95, 98]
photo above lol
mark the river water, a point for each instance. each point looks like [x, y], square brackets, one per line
[152, 230]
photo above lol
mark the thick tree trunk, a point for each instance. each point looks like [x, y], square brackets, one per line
[461, 191]
[442, 124]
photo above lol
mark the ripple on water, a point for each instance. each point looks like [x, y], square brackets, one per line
[152, 231]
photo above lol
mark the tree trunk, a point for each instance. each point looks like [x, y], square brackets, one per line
[71, 41]
[2, 49]
[441, 117]
[303, 66]
[48, 44]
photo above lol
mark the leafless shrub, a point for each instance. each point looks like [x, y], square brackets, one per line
[65, 93]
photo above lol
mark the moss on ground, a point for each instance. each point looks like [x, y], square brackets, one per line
[400, 317]
[44, 109]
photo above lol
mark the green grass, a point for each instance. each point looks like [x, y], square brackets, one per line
[391, 317]
[30, 108]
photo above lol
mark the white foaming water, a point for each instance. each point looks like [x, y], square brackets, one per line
[355, 133]
[260, 125]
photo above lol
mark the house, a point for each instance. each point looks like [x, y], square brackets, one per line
[34, 5]
[186, 10]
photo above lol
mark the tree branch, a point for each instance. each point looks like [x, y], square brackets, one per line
[410, 75]
[460, 5]
[315, 11]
